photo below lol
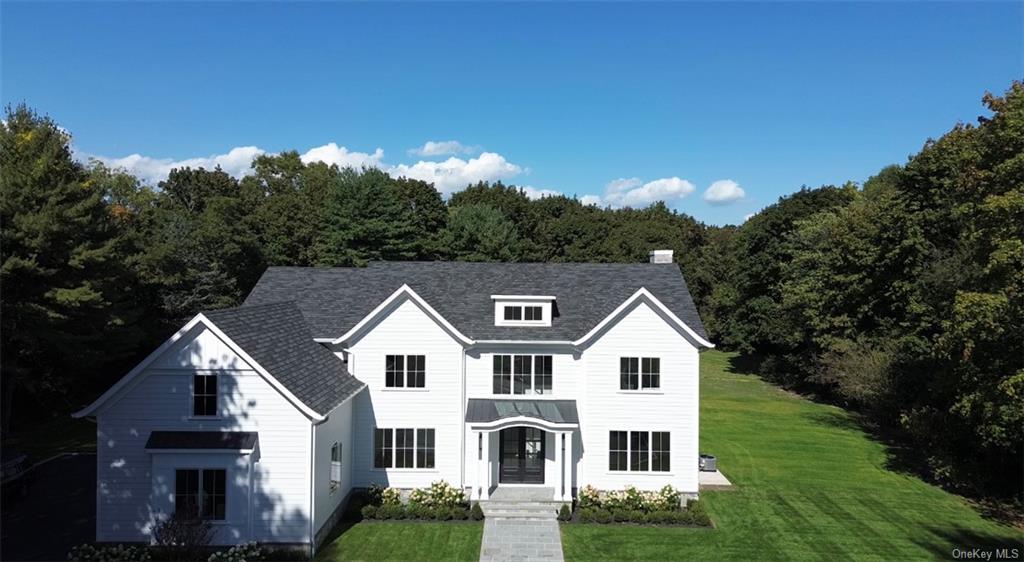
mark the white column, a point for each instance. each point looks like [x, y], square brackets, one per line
[485, 466]
[558, 465]
[474, 493]
[567, 468]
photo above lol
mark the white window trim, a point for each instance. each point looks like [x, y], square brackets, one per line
[335, 484]
[533, 374]
[650, 453]
[415, 450]
[546, 305]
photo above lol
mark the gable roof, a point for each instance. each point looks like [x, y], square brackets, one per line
[334, 300]
[276, 340]
[277, 337]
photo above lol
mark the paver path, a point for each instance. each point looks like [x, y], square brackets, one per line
[521, 540]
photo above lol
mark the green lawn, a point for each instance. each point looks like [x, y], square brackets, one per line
[406, 540]
[811, 486]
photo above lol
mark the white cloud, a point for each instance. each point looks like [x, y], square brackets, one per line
[537, 193]
[447, 176]
[442, 148]
[153, 170]
[331, 153]
[633, 192]
[748, 216]
[455, 173]
[724, 192]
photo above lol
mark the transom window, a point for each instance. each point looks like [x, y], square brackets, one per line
[201, 493]
[639, 373]
[405, 371]
[522, 374]
[639, 451]
[403, 448]
[204, 395]
[335, 465]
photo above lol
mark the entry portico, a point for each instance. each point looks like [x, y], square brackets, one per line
[516, 439]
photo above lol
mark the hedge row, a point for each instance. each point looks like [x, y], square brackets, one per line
[694, 514]
[422, 512]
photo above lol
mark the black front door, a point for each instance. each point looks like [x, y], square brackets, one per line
[522, 456]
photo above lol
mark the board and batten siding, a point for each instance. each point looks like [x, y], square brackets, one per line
[160, 399]
[407, 330]
[674, 407]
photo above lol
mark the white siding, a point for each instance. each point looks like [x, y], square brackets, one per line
[674, 408]
[337, 429]
[408, 330]
[160, 399]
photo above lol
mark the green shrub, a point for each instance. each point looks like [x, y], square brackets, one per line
[375, 494]
[418, 511]
[603, 516]
[119, 553]
[391, 511]
[477, 512]
[587, 514]
[661, 517]
[246, 552]
[391, 496]
[439, 494]
[698, 513]
[369, 511]
[589, 497]
[564, 514]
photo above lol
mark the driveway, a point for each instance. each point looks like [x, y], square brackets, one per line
[58, 512]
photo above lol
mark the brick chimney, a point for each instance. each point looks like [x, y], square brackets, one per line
[661, 256]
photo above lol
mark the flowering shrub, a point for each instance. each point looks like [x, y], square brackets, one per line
[589, 497]
[439, 494]
[246, 552]
[391, 496]
[631, 499]
[119, 553]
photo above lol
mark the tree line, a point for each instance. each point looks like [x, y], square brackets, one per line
[900, 298]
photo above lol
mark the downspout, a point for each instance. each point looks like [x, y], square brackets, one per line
[462, 426]
[312, 489]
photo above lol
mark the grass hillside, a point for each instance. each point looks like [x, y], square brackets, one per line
[810, 486]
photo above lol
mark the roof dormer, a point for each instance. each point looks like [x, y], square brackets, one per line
[523, 310]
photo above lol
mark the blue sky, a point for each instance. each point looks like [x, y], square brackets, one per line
[622, 103]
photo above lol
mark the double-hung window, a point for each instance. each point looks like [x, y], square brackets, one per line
[516, 313]
[639, 373]
[201, 493]
[403, 448]
[204, 395]
[522, 374]
[405, 371]
[639, 451]
[335, 465]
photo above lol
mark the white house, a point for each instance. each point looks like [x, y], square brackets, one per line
[264, 417]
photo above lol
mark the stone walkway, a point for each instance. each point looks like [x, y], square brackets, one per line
[521, 540]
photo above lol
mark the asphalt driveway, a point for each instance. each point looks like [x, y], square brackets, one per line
[58, 513]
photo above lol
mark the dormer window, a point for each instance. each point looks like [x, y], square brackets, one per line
[522, 310]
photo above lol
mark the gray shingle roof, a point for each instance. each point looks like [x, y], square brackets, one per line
[489, 410]
[233, 440]
[279, 339]
[335, 299]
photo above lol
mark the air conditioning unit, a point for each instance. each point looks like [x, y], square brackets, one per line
[708, 463]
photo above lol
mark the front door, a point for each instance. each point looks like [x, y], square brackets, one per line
[522, 456]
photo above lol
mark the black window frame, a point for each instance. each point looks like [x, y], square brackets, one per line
[204, 398]
[206, 496]
[639, 451]
[405, 371]
[650, 373]
[533, 313]
[661, 451]
[618, 451]
[517, 374]
[394, 371]
[336, 456]
[629, 373]
[404, 448]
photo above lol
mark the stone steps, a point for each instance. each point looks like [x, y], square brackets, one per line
[520, 510]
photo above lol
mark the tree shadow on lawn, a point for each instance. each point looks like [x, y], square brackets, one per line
[945, 544]
[901, 456]
[349, 519]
